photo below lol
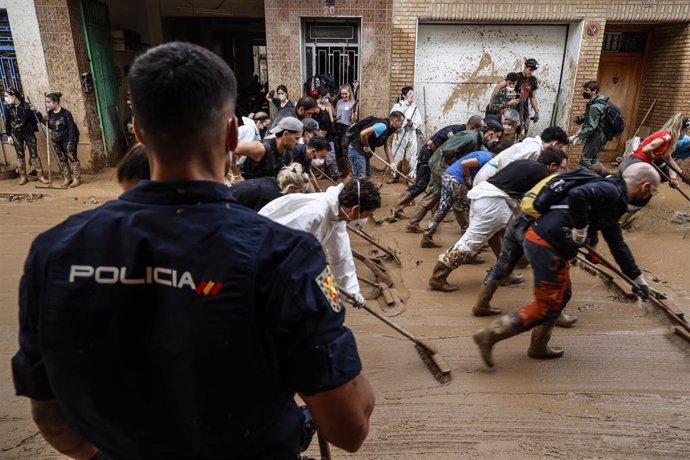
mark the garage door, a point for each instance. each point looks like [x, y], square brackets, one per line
[458, 66]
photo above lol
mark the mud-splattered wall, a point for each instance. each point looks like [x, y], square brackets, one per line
[283, 40]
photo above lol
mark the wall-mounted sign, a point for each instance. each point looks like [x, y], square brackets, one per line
[592, 30]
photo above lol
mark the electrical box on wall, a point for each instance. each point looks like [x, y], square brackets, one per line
[87, 82]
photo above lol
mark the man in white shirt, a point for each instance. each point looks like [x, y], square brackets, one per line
[529, 149]
[405, 139]
[325, 215]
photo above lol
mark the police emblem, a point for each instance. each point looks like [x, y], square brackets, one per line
[326, 282]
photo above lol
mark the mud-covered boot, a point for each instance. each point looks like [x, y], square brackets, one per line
[66, 174]
[500, 329]
[566, 320]
[428, 238]
[438, 281]
[405, 199]
[483, 305]
[23, 178]
[76, 174]
[539, 344]
[523, 262]
[413, 225]
[39, 171]
[513, 278]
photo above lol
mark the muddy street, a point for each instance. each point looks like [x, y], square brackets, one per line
[620, 390]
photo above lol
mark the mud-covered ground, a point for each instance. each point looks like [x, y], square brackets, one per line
[620, 391]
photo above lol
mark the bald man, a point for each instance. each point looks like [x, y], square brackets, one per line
[554, 239]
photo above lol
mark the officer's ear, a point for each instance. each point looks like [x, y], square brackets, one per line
[231, 134]
[137, 131]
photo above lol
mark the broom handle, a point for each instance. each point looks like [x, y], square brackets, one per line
[645, 118]
[384, 319]
[392, 167]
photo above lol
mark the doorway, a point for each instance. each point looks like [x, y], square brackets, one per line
[620, 77]
[331, 47]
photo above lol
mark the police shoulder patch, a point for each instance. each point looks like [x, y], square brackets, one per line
[327, 284]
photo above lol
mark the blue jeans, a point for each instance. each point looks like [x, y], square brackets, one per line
[360, 163]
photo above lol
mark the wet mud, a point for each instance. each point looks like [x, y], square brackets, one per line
[620, 391]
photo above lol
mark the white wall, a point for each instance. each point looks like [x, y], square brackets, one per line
[572, 54]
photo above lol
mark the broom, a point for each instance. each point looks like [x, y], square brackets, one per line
[438, 366]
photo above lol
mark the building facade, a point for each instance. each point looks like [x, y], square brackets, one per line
[452, 52]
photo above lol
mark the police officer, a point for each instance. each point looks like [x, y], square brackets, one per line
[592, 207]
[189, 325]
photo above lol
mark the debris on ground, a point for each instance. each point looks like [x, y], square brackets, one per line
[22, 197]
[680, 218]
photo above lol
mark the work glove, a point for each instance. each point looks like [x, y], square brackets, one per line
[685, 177]
[579, 235]
[591, 258]
[575, 139]
[368, 150]
[673, 183]
[359, 300]
[579, 120]
[10, 140]
[535, 118]
[642, 288]
[271, 93]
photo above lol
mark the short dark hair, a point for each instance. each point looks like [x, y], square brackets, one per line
[323, 90]
[306, 103]
[500, 146]
[396, 115]
[134, 166]
[592, 85]
[283, 88]
[201, 85]
[360, 192]
[318, 143]
[512, 76]
[552, 155]
[16, 93]
[554, 133]
[406, 89]
[475, 120]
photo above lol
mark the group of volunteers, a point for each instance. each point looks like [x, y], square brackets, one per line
[21, 120]
[210, 293]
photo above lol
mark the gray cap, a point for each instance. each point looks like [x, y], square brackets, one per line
[311, 125]
[287, 124]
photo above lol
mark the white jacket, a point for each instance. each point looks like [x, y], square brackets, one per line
[317, 213]
[411, 112]
[529, 149]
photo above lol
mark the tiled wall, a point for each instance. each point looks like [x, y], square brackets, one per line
[285, 51]
[66, 58]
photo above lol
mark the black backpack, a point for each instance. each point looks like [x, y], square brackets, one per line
[356, 128]
[613, 122]
[311, 87]
[556, 190]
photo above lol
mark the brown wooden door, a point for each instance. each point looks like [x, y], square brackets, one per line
[620, 79]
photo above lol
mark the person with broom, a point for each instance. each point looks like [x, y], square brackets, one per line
[174, 322]
[64, 136]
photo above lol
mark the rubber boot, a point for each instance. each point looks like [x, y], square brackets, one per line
[483, 305]
[76, 174]
[500, 329]
[438, 281]
[405, 199]
[428, 237]
[539, 343]
[413, 225]
[23, 179]
[566, 320]
[39, 171]
[523, 262]
[66, 173]
[513, 278]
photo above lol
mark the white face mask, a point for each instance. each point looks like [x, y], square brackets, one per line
[9, 99]
[317, 162]
[358, 223]
[282, 97]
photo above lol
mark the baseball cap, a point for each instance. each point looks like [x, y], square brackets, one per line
[287, 124]
[311, 125]
[532, 64]
[492, 125]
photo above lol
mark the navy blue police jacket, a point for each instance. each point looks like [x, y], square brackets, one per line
[175, 323]
[599, 204]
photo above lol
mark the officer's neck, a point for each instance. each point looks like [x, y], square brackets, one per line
[197, 168]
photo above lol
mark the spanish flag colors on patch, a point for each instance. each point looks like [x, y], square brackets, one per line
[327, 284]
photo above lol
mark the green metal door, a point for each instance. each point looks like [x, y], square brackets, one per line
[102, 62]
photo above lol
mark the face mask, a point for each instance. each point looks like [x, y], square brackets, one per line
[50, 105]
[511, 87]
[586, 95]
[9, 99]
[358, 224]
[282, 97]
[317, 162]
[640, 202]
[325, 100]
